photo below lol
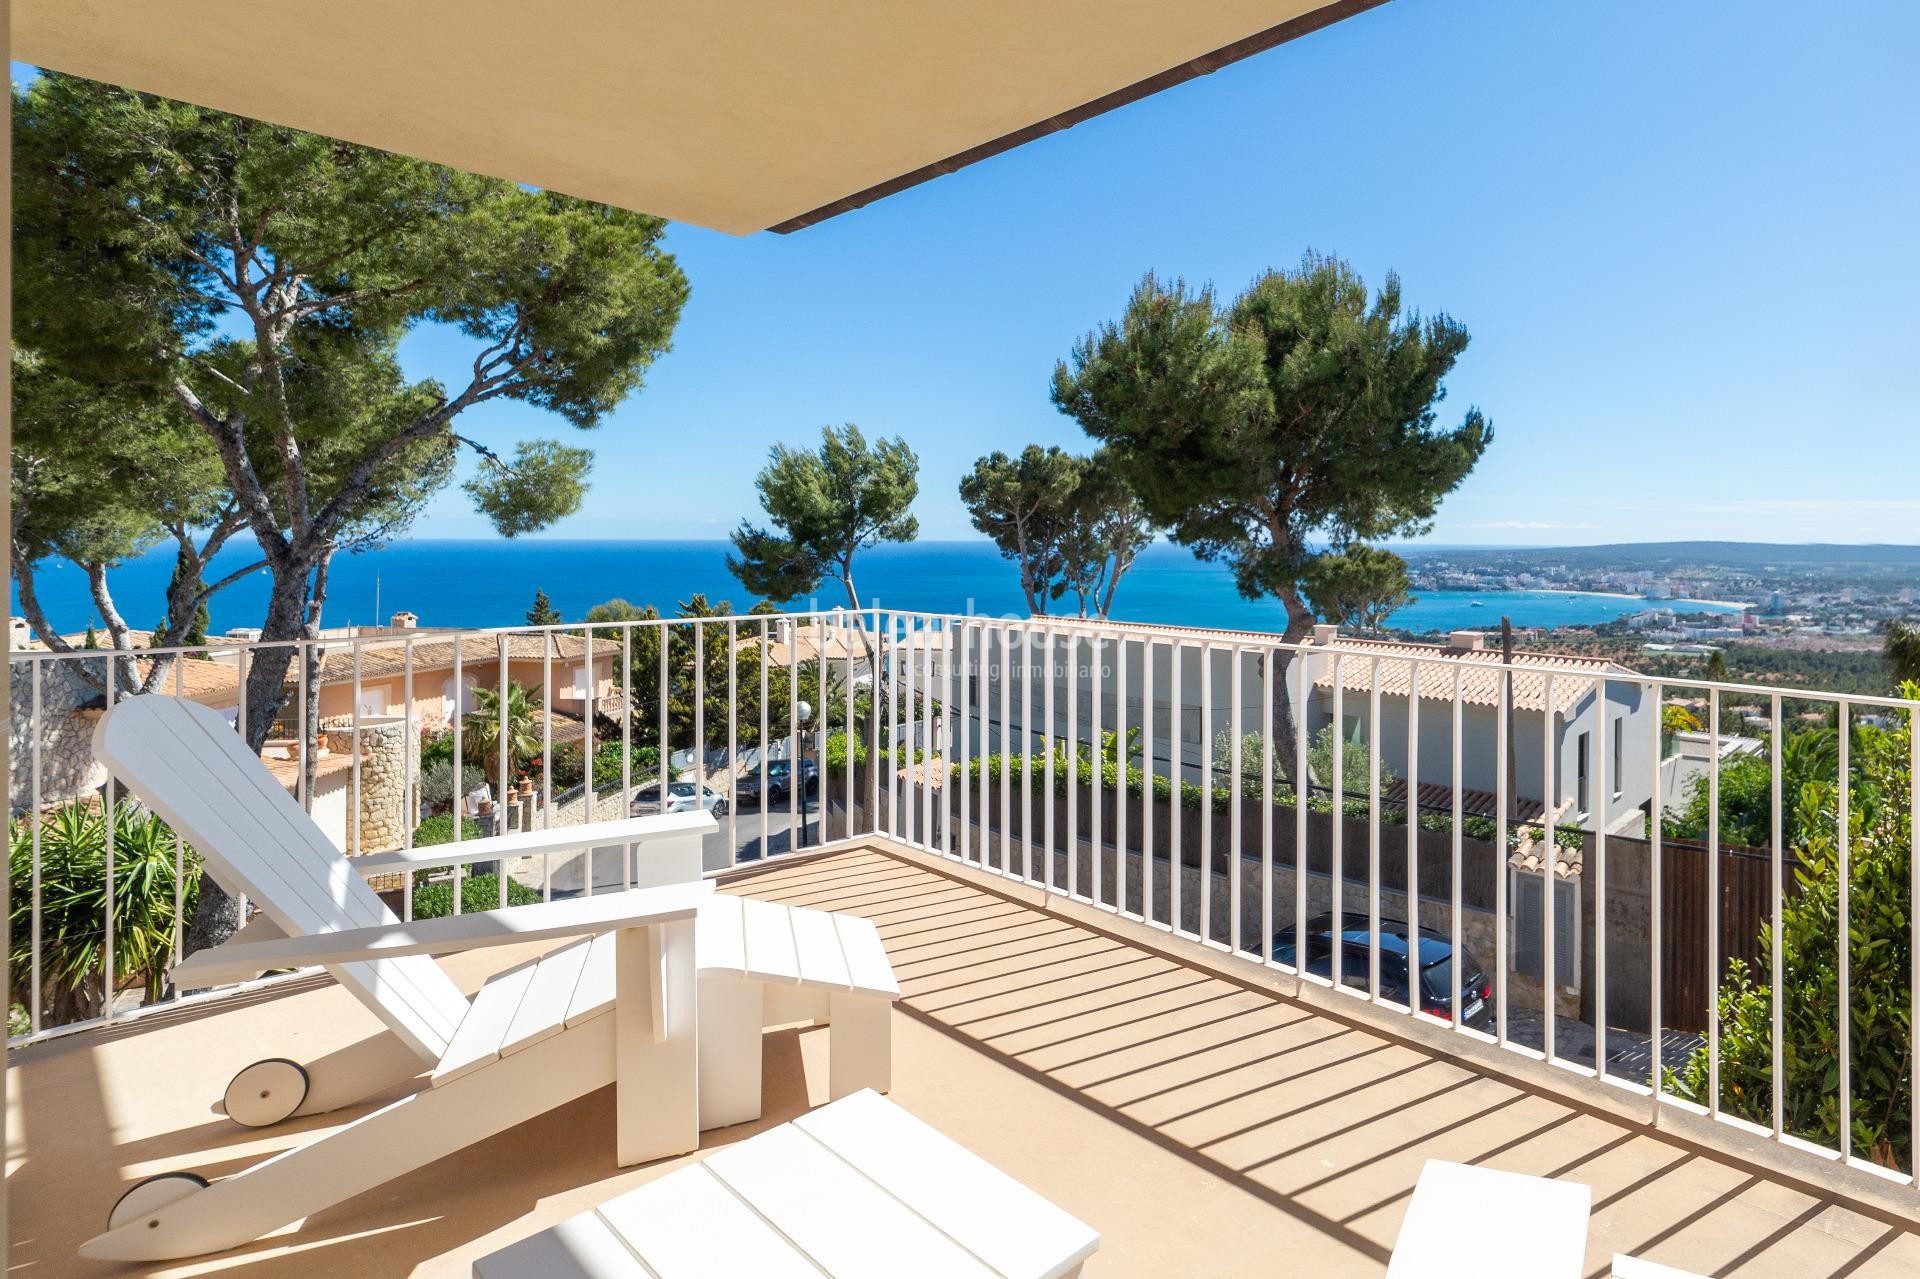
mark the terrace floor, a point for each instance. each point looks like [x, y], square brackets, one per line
[1205, 1126]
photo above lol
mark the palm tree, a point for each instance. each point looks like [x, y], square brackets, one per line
[1903, 650]
[480, 730]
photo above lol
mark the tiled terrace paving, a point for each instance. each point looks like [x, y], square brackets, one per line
[1205, 1125]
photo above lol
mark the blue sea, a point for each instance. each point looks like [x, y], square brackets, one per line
[491, 583]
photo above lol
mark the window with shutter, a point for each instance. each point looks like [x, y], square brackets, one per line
[1528, 927]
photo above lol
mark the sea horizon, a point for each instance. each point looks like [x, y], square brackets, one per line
[473, 582]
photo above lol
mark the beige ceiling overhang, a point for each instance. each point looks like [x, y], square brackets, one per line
[731, 115]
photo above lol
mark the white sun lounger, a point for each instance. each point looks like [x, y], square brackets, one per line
[859, 1189]
[1542, 1234]
[187, 764]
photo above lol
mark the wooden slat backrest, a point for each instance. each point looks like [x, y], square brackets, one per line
[187, 764]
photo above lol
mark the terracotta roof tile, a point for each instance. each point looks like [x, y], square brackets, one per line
[1481, 676]
[433, 652]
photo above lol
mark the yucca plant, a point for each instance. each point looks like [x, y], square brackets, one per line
[73, 906]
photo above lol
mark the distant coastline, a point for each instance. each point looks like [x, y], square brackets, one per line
[477, 582]
[1674, 604]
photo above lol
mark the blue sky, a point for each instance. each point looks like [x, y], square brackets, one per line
[1681, 236]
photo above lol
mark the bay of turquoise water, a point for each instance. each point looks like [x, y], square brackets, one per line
[491, 583]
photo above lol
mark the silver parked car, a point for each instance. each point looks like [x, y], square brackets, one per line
[682, 797]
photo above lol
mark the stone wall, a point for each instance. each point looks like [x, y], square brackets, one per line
[388, 757]
[69, 709]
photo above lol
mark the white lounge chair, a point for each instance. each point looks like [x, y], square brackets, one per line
[1542, 1234]
[185, 762]
[776, 965]
[515, 1052]
[857, 1188]
[537, 1031]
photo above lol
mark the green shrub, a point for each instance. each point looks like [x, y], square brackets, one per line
[438, 829]
[436, 748]
[477, 893]
[73, 901]
[1879, 850]
[569, 770]
[436, 786]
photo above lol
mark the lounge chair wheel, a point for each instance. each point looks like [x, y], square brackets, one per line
[266, 1092]
[152, 1195]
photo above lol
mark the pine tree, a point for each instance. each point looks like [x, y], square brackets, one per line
[543, 613]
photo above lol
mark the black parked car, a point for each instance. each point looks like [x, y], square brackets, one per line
[1435, 956]
[746, 791]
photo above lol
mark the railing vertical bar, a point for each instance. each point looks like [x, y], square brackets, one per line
[1266, 806]
[766, 660]
[1006, 750]
[1302, 802]
[1122, 761]
[1206, 793]
[459, 755]
[1845, 940]
[1176, 784]
[306, 730]
[1073, 766]
[933, 704]
[1913, 935]
[665, 627]
[410, 795]
[546, 750]
[1337, 896]
[733, 746]
[355, 835]
[1549, 878]
[1373, 851]
[112, 666]
[1454, 847]
[1026, 752]
[953, 757]
[852, 736]
[1777, 967]
[963, 662]
[796, 767]
[699, 745]
[1656, 934]
[916, 699]
[591, 794]
[1502, 875]
[1096, 739]
[1412, 808]
[1603, 806]
[893, 736]
[1235, 689]
[503, 806]
[38, 818]
[1048, 741]
[1146, 778]
[1713, 902]
[179, 928]
[246, 669]
[625, 684]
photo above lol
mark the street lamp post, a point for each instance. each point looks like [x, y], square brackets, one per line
[803, 715]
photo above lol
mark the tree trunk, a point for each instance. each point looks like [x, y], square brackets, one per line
[216, 916]
[1299, 627]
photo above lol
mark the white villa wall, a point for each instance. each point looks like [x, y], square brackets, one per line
[1208, 704]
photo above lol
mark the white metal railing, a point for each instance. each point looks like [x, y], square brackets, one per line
[1045, 713]
[1140, 770]
[381, 703]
